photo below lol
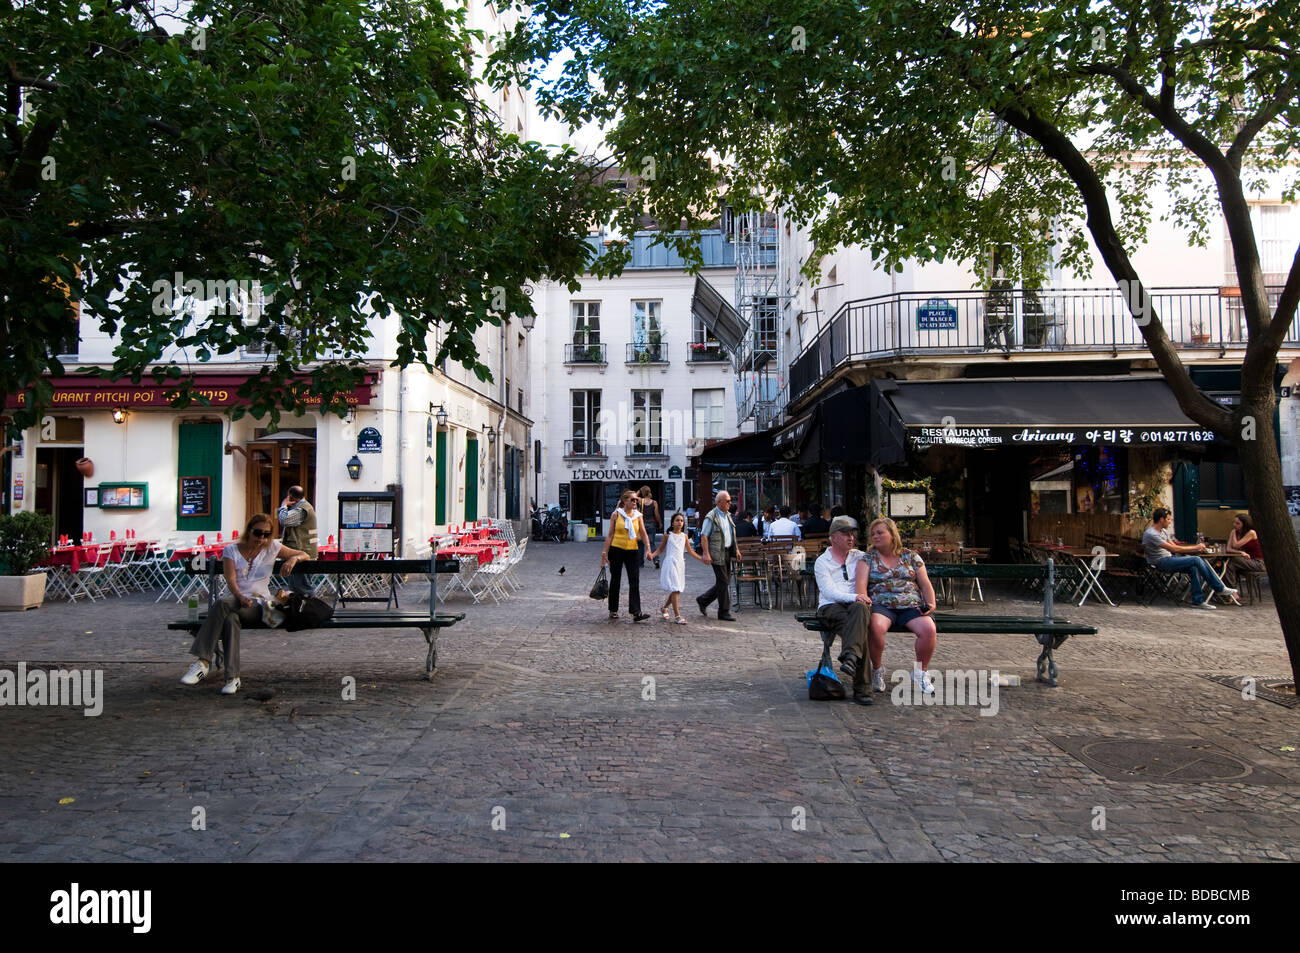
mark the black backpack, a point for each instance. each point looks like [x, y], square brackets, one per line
[306, 612]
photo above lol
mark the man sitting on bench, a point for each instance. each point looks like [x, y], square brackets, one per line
[841, 607]
[1166, 554]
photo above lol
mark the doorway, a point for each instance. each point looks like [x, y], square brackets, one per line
[58, 489]
[272, 470]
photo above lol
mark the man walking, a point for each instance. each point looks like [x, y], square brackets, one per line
[298, 531]
[717, 546]
[1166, 554]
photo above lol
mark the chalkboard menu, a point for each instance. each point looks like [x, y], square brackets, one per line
[564, 497]
[670, 498]
[196, 496]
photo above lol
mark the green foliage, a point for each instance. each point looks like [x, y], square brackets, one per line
[337, 152]
[24, 541]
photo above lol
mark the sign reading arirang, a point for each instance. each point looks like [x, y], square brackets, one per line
[923, 437]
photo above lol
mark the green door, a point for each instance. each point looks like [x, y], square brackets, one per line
[199, 455]
[440, 479]
[471, 479]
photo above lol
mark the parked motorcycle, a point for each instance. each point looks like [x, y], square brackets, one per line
[551, 524]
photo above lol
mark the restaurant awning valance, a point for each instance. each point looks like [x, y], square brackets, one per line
[750, 452]
[789, 440]
[720, 318]
[1136, 411]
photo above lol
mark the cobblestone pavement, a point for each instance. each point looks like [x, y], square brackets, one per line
[542, 718]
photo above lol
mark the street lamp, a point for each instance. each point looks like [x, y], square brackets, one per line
[354, 467]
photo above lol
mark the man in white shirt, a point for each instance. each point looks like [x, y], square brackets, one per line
[786, 526]
[841, 607]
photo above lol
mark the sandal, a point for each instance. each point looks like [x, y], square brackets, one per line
[664, 613]
[613, 617]
[679, 620]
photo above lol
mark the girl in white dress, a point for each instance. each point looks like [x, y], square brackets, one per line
[672, 574]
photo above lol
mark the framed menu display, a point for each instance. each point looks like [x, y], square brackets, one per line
[368, 523]
[124, 496]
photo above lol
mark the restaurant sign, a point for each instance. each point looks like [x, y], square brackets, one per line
[923, 437]
[218, 391]
[615, 473]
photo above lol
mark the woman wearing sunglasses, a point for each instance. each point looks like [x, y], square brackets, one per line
[247, 567]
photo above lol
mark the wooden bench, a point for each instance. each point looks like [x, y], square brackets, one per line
[429, 623]
[1049, 630]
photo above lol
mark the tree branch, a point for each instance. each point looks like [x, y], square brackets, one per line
[1285, 93]
[1287, 303]
[26, 170]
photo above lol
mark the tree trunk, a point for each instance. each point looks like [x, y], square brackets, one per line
[1262, 470]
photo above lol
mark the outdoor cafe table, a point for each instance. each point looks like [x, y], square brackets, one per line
[1090, 568]
[482, 553]
[72, 556]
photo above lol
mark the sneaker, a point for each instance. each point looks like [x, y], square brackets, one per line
[231, 686]
[862, 698]
[878, 679]
[1207, 604]
[922, 680]
[1231, 595]
[849, 666]
[196, 673]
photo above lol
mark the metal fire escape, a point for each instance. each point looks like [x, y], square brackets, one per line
[759, 361]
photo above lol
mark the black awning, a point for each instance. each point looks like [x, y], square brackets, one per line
[751, 452]
[789, 441]
[1133, 411]
[720, 318]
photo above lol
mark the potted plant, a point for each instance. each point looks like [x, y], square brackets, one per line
[593, 353]
[24, 543]
[1199, 334]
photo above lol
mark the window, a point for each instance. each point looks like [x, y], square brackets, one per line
[585, 422]
[1276, 228]
[520, 401]
[647, 422]
[586, 323]
[645, 322]
[708, 414]
[1222, 484]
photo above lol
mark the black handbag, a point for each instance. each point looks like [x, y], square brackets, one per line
[306, 612]
[600, 588]
[821, 686]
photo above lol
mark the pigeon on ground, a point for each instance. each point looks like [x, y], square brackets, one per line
[561, 570]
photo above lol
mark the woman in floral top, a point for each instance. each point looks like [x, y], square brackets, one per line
[901, 593]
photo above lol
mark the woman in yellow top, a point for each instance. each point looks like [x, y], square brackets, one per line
[626, 529]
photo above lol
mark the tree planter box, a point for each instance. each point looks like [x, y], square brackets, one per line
[22, 592]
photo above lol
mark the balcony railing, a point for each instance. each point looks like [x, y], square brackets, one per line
[1018, 322]
[647, 448]
[706, 352]
[584, 354]
[584, 447]
[647, 353]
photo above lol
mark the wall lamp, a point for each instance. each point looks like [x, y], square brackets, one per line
[441, 414]
[119, 415]
[354, 467]
[491, 434]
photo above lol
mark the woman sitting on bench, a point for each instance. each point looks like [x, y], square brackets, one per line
[901, 594]
[247, 565]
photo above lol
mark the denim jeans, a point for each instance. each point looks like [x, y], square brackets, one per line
[1197, 570]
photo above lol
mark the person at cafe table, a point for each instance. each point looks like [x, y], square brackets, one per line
[1166, 554]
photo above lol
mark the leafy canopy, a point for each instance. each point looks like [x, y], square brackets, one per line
[335, 152]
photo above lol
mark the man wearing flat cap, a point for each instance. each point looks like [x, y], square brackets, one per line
[841, 607]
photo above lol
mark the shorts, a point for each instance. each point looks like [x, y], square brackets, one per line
[897, 617]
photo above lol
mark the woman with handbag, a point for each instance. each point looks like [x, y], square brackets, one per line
[247, 566]
[626, 530]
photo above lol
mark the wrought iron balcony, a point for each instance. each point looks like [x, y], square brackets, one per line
[1013, 321]
[706, 352]
[584, 354]
[646, 353]
[647, 448]
[584, 447]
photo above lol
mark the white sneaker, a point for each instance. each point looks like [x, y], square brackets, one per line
[230, 687]
[196, 673]
[878, 679]
[922, 679]
[1231, 595]
[1207, 604]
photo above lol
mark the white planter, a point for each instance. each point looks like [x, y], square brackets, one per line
[22, 592]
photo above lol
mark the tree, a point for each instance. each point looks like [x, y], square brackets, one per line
[330, 156]
[930, 129]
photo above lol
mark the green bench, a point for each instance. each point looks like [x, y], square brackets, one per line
[1049, 630]
[429, 623]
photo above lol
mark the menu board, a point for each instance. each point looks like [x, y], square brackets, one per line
[196, 496]
[670, 497]
[367, 522]
[564, 497]
[124, 496]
